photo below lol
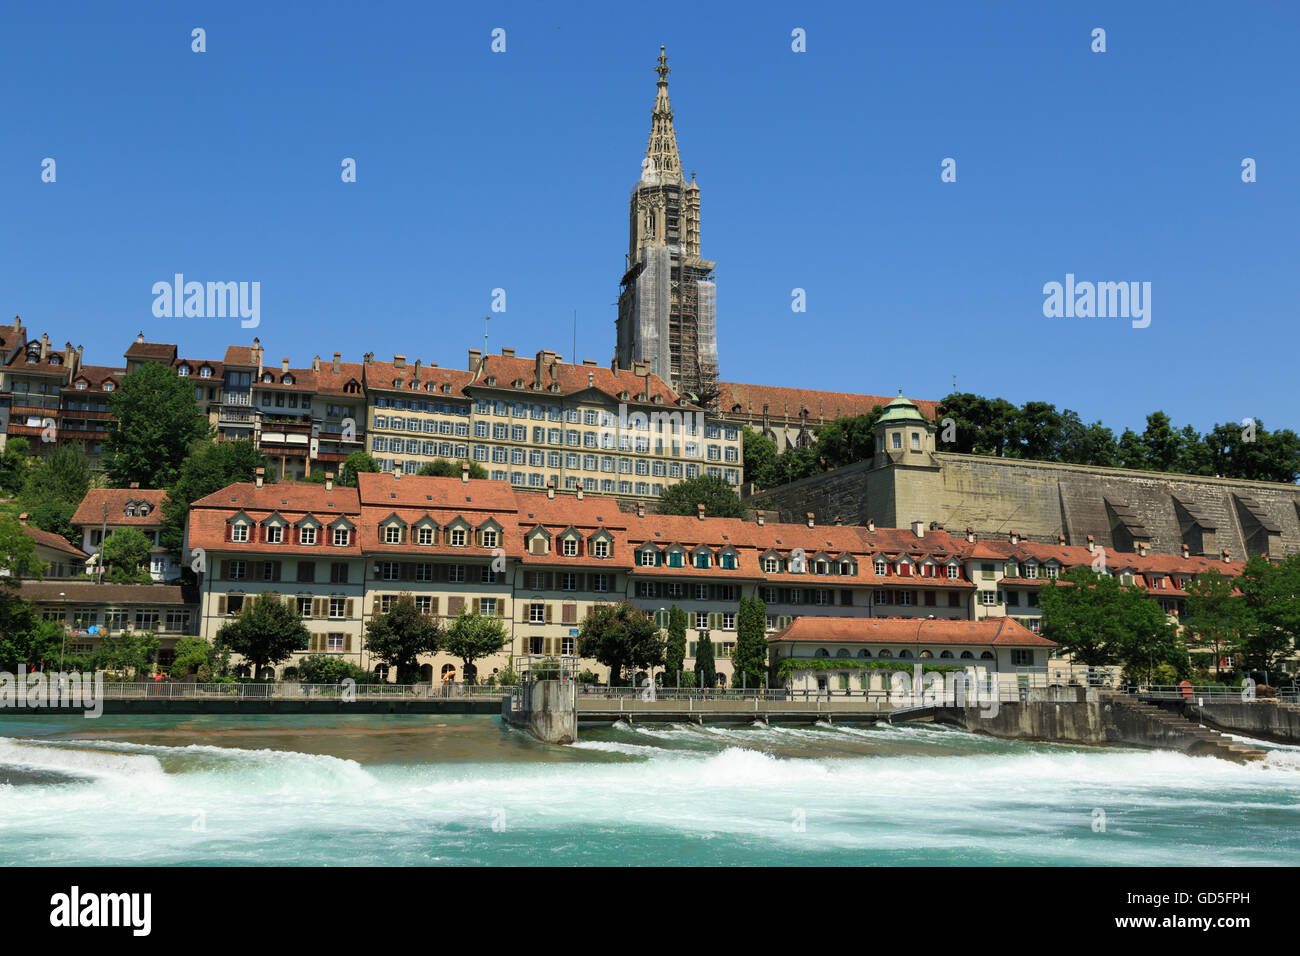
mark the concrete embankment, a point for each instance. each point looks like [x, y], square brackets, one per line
[1263, 719]
[1082, 716]
[549, 711]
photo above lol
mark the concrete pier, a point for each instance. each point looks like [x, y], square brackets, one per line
[548, 710]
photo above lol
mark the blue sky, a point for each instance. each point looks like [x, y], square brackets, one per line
[819, 170]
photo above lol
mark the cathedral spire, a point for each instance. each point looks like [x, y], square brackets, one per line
[661, 152]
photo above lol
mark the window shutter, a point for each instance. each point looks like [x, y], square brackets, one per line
[548, 613]
[570, 615]
[314, 642]
[347, 642]
[228, 530]
[715, 620]
[478, 605]
[433, 605]
[347, 608]
[455, 605]
[221, 604]
[225, 568]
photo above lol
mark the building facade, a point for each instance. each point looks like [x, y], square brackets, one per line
[540, 561]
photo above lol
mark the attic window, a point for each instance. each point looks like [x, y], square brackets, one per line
[491, 380]
[183, 371]
[268, 378]
[109, 386]
[287, 380]
[81, 385]
[205, 372]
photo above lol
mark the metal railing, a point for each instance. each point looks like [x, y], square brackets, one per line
[1213, 692]
[291, 690]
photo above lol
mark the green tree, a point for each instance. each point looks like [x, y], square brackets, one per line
[356, 462]
[17, 555]
[126, 549]
[154, 421]
[847, 440]
[14, 465]
[473, 636]
[53, 489]
[266, 631]
[675, 648]
[1215, 614]
[211, 467]
[1251, 452]
[983, 426]
[190, 654]
[712, 491]
[706, 671]
[401, 635]
[619, 635]
[36, 644]
[1270, 592]
[750, 656]
[1035, 432]
[759, 455]
[129, 654]
[1101, 621]
[449, 468]
[330, 669]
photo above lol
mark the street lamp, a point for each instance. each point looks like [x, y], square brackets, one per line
[64, 644]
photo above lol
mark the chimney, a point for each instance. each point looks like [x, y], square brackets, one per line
[550, 492]
[579, 492]
[464, 473]
[315, 363]
[22, 519]
[970, 535]
[45, 346]
[640, 510]
[368, 358]
[1013, 538]
[135, 484]
[871, 525]
[1225, 555]
[507, 352]
[139, 339]
[284, 365]
[809, 515]
[475, 355]
[1142, 549]
[399, 361]
[1092, 545]
[760, 518]
[699, 511]
[1186, 551]
[590, 363]
[261, 476]
[838, 521]
[329, 481]
[918, 528]
[338, 367]
[1060, 539]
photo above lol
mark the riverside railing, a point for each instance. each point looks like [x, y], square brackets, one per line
[1215, 692]
[288, 690]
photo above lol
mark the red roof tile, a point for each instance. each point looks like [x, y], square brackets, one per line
[990, 632]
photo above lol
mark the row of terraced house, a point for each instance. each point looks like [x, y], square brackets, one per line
[530, 422]
[343, 555]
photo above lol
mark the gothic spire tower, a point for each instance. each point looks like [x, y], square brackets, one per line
[667, 298]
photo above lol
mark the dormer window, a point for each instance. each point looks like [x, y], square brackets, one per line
[307, 535]
[268, 378]
[239, 532]
[142, 510]
[649, 558]
[600, 548]
[287, 380]
[342, 537]
[130, 510]
[205, 372]
[702, 560]
[183, 371]
[771, 564]
[729, 561]
[882, 567]
[954, 572]
[424, 535]
[570, 548]
[456, 538]
[81, 384]
[489, 537]
[109, 386]
[393, 534]
[274, 534]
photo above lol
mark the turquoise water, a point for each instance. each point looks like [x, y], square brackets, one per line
[466, 790]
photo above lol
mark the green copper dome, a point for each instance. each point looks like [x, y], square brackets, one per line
[901, 411]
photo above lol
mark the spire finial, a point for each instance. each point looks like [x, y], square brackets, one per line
[661, 150]
[662, 68]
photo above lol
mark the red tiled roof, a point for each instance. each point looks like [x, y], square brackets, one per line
[152, 352]
[97, 375]
[735, 398]
[241, 355]
[990, 632]
[49, 539]
[91, 509]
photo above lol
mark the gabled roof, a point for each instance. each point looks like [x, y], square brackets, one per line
[990, 632]
[91, 509]
[738, 399]
[57, 542]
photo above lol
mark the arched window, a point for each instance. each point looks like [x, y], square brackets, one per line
[864, 653]
[842, 652]
[822, 652]
[945, 654]
[926, 655]
[986, 656]
[886, 653]
[448, 674]
[967, 656]
[905, 653]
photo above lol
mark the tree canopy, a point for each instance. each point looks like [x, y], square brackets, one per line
[719, 498]
[209, 468]
[399, 636]
[266, 631]
[619, 635]
[472, 636]
[154, 420]
[451, 468]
